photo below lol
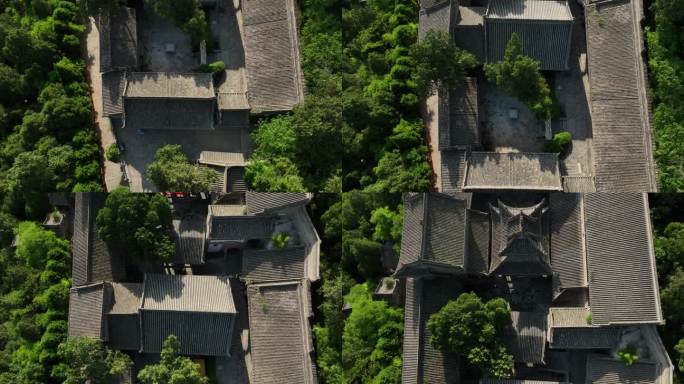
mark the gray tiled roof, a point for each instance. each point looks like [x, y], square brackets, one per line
[122, 319]
[280, 334]
[258, 202]
[518, 236]
[126, 297]
[113, 84]
[584, 338]
[118, 38]
[222, 158]
[530, 19]
[471, 38]
[271, 55]
[176, 114]
[556, 10]
[516, 381]
[619, 110]
[477, 251]
[604, 370]
[525, 338]
[458, 115]
[434, 231]
[91, 258]
[568, 259]
[241, 228]
[570, 329]
[621, 260]
[512, 170]
[170, 85]
[453, 170]
[87, 305]
[199, 310]
[274, 264]
[189, 235]
[437, 17]
[422, 363]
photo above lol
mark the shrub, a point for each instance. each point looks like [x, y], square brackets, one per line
[280, 240]
[216, 67]
[559, 142]
[112, 153]
[589, 319]
[628, 355]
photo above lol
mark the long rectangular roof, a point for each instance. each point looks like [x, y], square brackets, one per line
[512, 170]
[91, 257]
[272, 55]
[622, 135]
[436, 17]
[241, 227]
[623, 286]
[86, 311]
[458, 115]
[453, 165]
[557, 10]
[423, 363]
[603, 370]
[280, 335]
[274, 264]
[568, 257]
[258, 202]
[199, 310]
[170, 85]
[526, 337]
[191, 293]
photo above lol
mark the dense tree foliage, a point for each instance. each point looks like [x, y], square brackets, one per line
[171, 171]
[668, 224]
[519, 76]
[34, 291]
[439, 60]
[138, 224]
[666, 63]
[371, 340]
[172, 369]
[88, 360]
[471, 328]
[47, 140]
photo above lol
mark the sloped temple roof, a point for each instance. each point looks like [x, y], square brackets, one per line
[512, 171]
[280, 334]
[596, 246]
[199, 310]
[434, 232]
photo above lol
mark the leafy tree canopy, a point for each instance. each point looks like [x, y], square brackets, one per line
[371, 350]
[519, 76]
[171, 171]
[172, 369]
[438, 61]
[472, 328]
[138, 224]
[88, 360]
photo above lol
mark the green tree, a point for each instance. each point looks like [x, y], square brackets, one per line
[519, 76]
[171, 171]
[471, 328]
[138, 224]
[88, 360]
[172, 369]
[37, 245]
[371, 339]
[26, 184]
[274, 175]
[438, 61]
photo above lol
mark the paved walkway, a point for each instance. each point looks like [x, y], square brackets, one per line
[432, 131]
[112, 171]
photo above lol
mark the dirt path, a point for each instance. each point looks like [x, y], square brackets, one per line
[112, 171]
